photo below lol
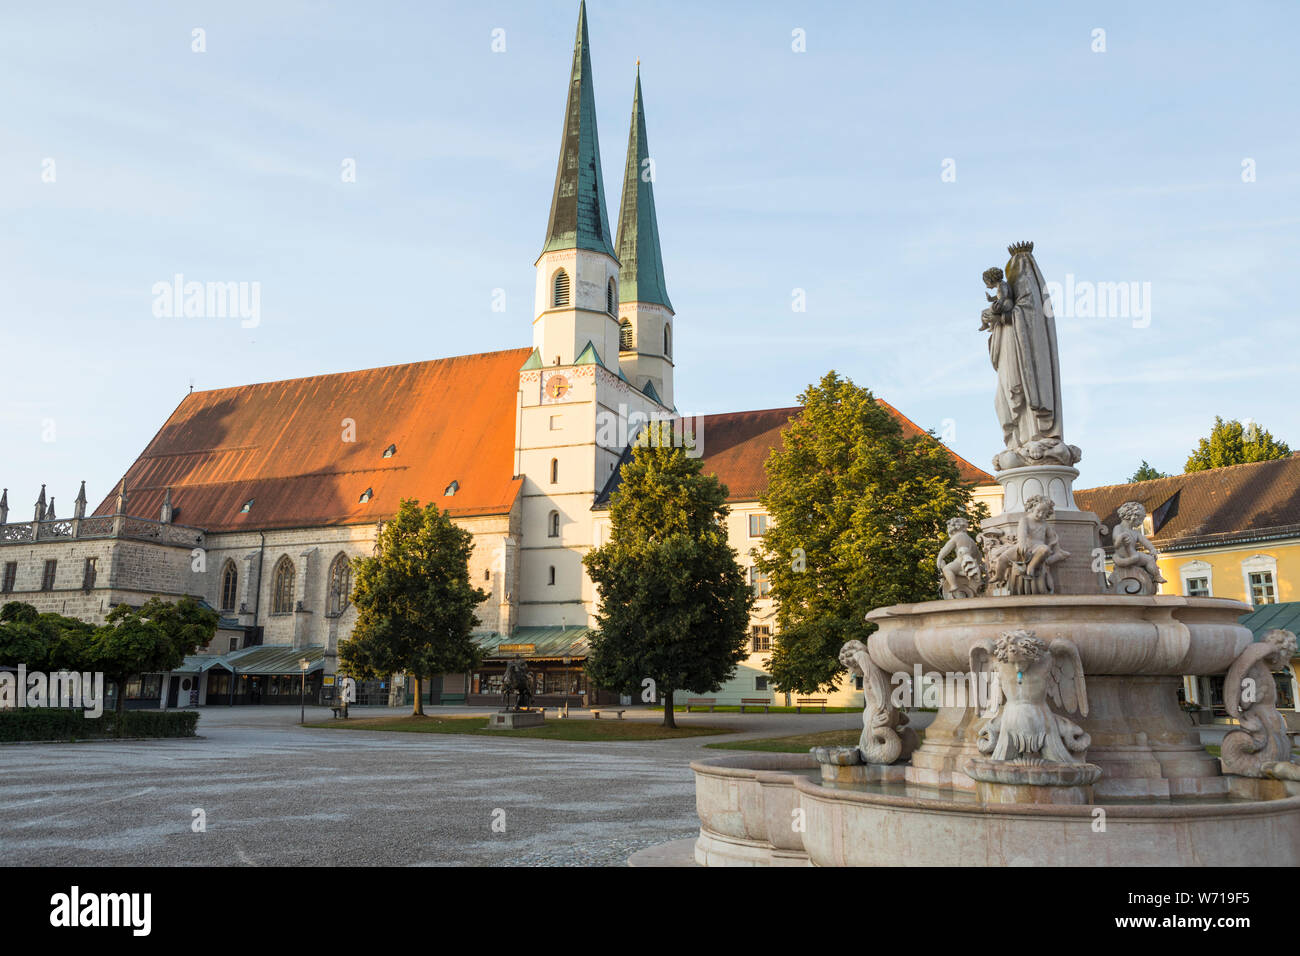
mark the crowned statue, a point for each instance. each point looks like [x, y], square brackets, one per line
[1022, 347]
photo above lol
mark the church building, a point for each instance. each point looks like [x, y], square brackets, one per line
[256, 498]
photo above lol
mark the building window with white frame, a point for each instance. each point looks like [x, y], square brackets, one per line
[1197, 578]
[1259, 575]
[1263, 589]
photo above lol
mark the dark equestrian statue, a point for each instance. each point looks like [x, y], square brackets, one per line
[517, 684]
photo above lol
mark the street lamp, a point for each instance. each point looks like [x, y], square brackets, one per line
[302, 692]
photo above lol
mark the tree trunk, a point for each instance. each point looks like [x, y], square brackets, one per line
[418, 709]
[669, 721]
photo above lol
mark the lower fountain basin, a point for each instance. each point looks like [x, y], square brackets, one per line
[772, 809]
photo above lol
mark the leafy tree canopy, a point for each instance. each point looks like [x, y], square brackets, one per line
[859, 512]
[1146, 473]
[1232, 443]
[153, 638]
[415, 604]
[674, 604]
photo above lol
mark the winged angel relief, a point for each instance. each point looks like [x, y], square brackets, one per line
[1021, 727]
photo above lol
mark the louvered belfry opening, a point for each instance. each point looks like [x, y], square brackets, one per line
[561, 288]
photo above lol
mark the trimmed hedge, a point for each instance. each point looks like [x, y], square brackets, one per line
[51, 723]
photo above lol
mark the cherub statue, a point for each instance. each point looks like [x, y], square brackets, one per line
[1026, 672]
[963, 576]
[885, 734]
[1038, 548]
[1250, 696]
[1136, 569]
[999, 548]
[1001, 304]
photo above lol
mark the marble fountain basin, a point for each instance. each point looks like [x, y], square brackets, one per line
[1153, 635]
[773, 810]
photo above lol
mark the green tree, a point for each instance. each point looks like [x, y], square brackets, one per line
[46, 642]
[858, 514]
[1146, 473]
[1232, 443]
[415, 604]
[153, 638]
[674, 605]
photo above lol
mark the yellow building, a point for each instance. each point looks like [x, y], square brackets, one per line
[1225, 532]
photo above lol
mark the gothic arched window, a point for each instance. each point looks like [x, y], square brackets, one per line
[625, 336]
[282, 587]
[340, 586]
[554, 525]
[561, 289]
[229, 585]
[611, 298]
[668, 342]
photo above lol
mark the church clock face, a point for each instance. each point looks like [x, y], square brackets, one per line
[555, 386]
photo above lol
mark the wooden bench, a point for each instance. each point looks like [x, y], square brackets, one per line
[596, 713]
[755, 702]
[335, 709]
[450, 699]
[803, 702]
[708, 702]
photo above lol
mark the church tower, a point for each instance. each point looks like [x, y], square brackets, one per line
[577, 273]
[645, 314]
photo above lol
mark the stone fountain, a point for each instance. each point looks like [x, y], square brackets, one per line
[1059, 738]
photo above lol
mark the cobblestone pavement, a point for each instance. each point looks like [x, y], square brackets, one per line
[271, 793]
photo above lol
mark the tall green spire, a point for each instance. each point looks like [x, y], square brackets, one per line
[641, 260]
[641, 272]
[578, 219]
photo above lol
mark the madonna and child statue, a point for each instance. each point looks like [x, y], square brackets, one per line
[1022, 347]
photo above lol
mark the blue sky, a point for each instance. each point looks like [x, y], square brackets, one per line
[776, 170]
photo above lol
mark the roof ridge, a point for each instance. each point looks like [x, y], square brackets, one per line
[355, 371]
[1293, 458]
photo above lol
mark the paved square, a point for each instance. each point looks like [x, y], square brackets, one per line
[277, 794]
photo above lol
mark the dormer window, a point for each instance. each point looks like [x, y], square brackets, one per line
[366, 495]
[248, 506]
[451, 489]
[611, 298]
[561, 296]
[390, 451]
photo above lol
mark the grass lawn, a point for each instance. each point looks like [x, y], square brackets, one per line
[552, 730]
[798, 744]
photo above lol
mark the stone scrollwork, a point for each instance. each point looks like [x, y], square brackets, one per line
[1020, 726]
[1261, 747]
[885, 734]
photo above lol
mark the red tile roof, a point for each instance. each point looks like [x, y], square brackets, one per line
[281, 444]
[1202, 508]
[737, 444]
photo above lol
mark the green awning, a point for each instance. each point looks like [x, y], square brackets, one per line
[536, 643]
[272, 659]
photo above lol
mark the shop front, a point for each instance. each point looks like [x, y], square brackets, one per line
[556, 659]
